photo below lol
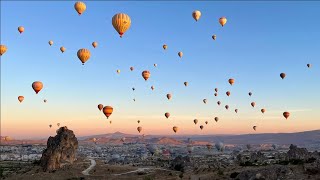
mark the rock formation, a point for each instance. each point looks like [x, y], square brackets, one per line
[296, 153]
[60, 150]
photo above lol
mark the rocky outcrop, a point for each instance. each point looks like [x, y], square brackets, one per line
[296, 153]
[257, 158]
[180, 163]
[61, 150]
[271, 172]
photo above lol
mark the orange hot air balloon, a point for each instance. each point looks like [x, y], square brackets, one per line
[121, 23]
[21, 29]
[195, 121]
[250, 93]
[107, 110]
[50, 43]
[236, 110]
[152, 88]
[216, 119]
[254, 128]
[196, 15]
[263, 110]
[216, 89]
[282, 75]
[253, 104]
[219, 103]
[146, 75]
[20, 98]
[205, 101]
[62, 49]
[223, 21]
[185, 84]
[175, 129]
[309, 65]
[3, 49]
[206, 122]
[227, 107]
[139, 129]
[180, 54]
[37, 86]
[131, 68]
[214, 37]
[83, 55]
[80, 7]
[167, 115]
[169, 96]
[164, 47]
[201, 127]
[228, 93]
[231, 81]
[215, 94]
[286, 115]
[94, 44]
[138, 121]
[100, 107]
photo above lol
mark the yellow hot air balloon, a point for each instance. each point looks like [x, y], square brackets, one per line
[100, 106]
[94, 44]
[3, 49]
[118, 71]
[62, 49]
[139, 129]
[175, 129]
[164, 47]
[83, 55]
[50, 43]
[214, 37]
[20, 98]
[37, 86]
[223, 21]
[121, 23]
[146, 75]
[80, 7]
[196, 15]
[107, 110]
[21, 29]
[180, 54]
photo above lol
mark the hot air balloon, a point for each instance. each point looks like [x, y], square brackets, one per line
[196, 15]
[37, 86]
[209, 147]
[152, 88]
[121, 23]
[146, 75]
[309, 65]
[189, 148]
[139, 129]
[236, 110]
[133, 89]
[155, 65]
[110, 122]
[50, 125]
[138, 121]
[58, 124]
[44, 100]
[165, 47]
[227, 107]
[205, 101]
[80, 7]
[62, 49]
[228, 93]
[185, 84]
[50, 43]
[107, 110]
[100, 106]
[94, 139]
[123, 139]
[263, 110]
[223, 21]
[253, 104]
[215, 94]
[201, 127]
[214, 37]
[20, 29]
[169, 96]
[274, 146]
[131, 68]
[254, 128]
[134, 99]
[118, 71]
[83, 55]
[216, 89]
[219, 103]
[248, 146]
[180, 54]
[175, 129]
[94, 44]
[3, 49]
[195, 121]
[282, 75]
[286, 114]
[219, 146]
[250, 93]
[20, 98]
[231, 81]
[216, 119]
[167, 115]
[206, 122]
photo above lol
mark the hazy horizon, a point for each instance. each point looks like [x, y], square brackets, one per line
[258, 42]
